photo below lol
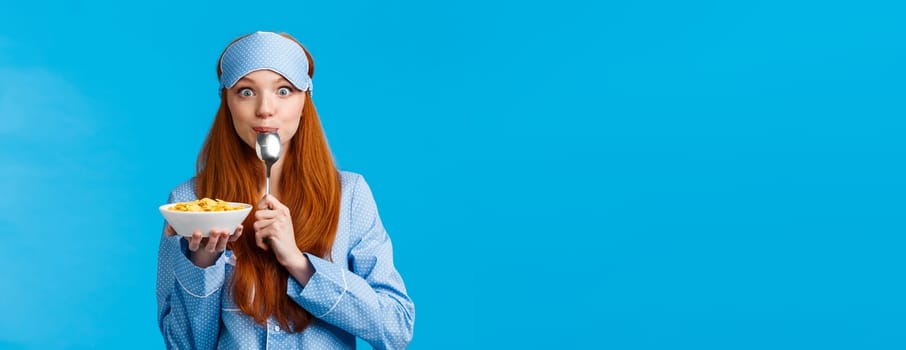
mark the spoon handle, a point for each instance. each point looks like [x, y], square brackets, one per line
[267, 183]
[267, 173]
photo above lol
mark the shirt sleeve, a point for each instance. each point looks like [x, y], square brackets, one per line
[188, 297]
[370, 301]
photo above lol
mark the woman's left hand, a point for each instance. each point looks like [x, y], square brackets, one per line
[274, 231]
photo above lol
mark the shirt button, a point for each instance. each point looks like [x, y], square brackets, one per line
[276, 328]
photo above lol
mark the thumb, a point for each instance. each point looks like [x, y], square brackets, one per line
[268, 202]
[263, 203]
[236, 233]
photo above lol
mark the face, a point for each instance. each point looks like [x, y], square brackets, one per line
[264, 101]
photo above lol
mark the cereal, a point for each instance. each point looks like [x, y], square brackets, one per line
[204, 204]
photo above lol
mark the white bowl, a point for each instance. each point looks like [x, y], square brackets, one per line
[186, 222]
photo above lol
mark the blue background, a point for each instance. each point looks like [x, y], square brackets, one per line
[626, 175]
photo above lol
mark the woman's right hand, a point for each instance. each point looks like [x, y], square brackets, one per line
[212, 245]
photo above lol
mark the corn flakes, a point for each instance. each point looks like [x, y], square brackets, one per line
[205, 204]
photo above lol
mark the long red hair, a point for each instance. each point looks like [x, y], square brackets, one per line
[229, 169]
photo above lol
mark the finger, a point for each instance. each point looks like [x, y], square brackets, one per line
[195, 240]
[222, 242]
[214, 239]
[276, 204]
[261, 240]
[260, 225]
[263, 203]
[210, 243]
[271, 202]
[236, 233]
[263, 214]
[169, 231]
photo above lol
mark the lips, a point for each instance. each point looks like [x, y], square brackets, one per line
[264, 130]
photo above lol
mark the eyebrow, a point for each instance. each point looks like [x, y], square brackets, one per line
[249, 80]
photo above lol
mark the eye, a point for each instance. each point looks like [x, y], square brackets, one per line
[246, 92]
[284, 91]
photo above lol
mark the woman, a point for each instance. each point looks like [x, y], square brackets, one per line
[312, 266]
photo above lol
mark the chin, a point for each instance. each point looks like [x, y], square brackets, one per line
[249, 142]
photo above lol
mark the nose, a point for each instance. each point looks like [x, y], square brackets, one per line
[265, 107]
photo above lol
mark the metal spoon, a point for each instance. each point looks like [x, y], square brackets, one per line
[267, 146]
